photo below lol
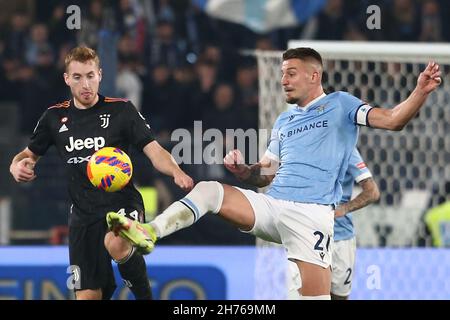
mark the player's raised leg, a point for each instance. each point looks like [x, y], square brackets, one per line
[207, 196]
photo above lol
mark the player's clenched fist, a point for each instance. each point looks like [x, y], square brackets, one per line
[23, 171]
[184, 181]
[234, 162]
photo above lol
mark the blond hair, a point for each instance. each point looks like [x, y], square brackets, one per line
[81, 54]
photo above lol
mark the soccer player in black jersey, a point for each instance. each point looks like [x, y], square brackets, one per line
[79, 127]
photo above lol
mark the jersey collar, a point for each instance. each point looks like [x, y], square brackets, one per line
[94, 107]
[305, 108]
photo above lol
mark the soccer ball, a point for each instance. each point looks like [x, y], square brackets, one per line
[109, 169]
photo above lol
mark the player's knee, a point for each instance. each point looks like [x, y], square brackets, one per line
[108, 238]
[89, 294]
[117, 247]
[211, 194]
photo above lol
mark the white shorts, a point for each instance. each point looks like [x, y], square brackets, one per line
[344, 252]
[304, 229]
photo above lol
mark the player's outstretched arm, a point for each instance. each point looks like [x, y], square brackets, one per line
[165, 163]
[396, 118]
[368, 195]
[259, 174]
[22, 166]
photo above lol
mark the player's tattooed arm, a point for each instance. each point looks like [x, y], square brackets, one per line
[259, 174]
[368, 195]
[256, 176]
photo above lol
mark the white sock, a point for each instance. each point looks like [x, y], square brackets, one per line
[207, 196]
[177, 216]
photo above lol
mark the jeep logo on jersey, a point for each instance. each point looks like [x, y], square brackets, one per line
[105, 120]
[88, 143]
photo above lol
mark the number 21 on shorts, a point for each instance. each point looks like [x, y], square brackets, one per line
[319, 243]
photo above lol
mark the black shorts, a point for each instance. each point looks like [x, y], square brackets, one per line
[88, 255]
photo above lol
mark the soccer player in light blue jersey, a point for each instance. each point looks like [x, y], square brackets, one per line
[344, 247]
[305, 164]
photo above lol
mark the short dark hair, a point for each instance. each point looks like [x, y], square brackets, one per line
[302, 54]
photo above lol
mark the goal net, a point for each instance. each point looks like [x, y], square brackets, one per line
[410, 167]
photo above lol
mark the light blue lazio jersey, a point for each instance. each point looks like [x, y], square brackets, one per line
[356, 172]
[313, 145]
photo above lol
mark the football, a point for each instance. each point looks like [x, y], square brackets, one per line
[109, 169]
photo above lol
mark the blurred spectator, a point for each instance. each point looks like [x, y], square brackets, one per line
[127, 17]
[224, 60]
[36, 94]
[160, 104]
[89, 33]
[445, 13]
[38, 48]
[281, 36]
[247, 96]
[164, 48]
[13, 56]
[222, 113]
[329, 24]
[165, 11]
[352, 33]
[431, 22]
[59, 34]
[38, 78]
[130, 17]
[184, 77]
[264, 43]
[232, 35]
[212, 53]
[9, 78]
[128, 82]
[402, 23]
[206, 74]
[196, 27]
[16, 37]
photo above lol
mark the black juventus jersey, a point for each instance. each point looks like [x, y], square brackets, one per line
[77, 134]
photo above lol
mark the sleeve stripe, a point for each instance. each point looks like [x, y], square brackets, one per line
[363, 176]
[64, 104]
